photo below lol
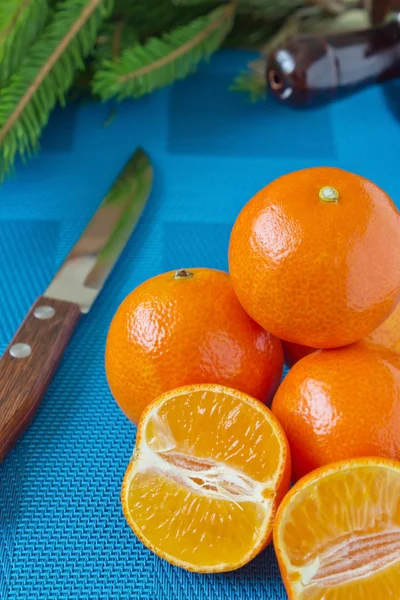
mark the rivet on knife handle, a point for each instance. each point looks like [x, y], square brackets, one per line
[28, 364]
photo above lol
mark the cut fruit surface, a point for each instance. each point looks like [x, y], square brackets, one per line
[209, 467]
[337, 533]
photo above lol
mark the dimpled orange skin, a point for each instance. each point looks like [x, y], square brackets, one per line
[322, 274]
[341, 404]
[173, 332]
[386, 335]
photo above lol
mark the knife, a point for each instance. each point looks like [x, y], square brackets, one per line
[29, 363]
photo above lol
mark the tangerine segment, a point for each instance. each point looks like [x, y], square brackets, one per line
[209, 467]
[337, 533]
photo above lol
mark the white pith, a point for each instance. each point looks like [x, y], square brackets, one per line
[354, 558]
[217, 479]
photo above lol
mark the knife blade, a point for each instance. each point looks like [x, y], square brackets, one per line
[30, 361]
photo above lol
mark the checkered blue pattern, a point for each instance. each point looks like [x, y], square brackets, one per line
[62, 533]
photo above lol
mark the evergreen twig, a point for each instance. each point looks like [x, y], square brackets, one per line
[251, 83]
[45, 75]
[21, 21]
[159, 62]
[154, 17]
[113, 39]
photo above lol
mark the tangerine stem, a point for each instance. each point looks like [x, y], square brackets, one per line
[183, 274]
[328, 194]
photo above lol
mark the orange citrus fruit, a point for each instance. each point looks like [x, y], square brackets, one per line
[315, 257]
[386, 335]
[187, 327]
[337, 533]
[339, 404]
[209, 468]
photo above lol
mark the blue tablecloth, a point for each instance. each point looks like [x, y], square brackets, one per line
[62, 533]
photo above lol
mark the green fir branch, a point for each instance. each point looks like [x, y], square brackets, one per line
[21, 21]
[160, 61]
[145, 14]
[154, 17]
[113, 39]
[251, 83]
[45, 75]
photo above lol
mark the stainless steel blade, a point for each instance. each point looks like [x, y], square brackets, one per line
[90, 261]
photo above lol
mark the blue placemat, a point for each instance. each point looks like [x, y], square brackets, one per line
[62, 533]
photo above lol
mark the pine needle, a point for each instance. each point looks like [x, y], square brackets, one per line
[160, 61]
[45, 75]
[251, 83]
[113, 38]
[21, 21]
[155, 17]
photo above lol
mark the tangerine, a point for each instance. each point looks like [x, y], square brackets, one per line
[209, 469]
[187, 327]
[315, 257]
[337, 532]
[340, 404]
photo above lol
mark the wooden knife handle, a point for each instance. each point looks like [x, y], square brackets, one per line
[29, 363]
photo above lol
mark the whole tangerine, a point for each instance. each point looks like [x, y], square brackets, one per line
[341, 404]
[315, 257]
[183, 328]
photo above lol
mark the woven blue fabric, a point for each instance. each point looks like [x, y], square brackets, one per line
[62, 533]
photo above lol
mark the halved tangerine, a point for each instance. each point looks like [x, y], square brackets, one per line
[209, 468]
[337, 532]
